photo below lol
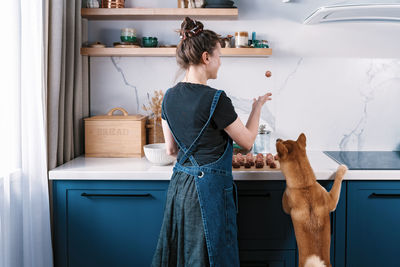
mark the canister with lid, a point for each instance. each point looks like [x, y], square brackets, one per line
[128, 35]
[261, 144]
[241, 39]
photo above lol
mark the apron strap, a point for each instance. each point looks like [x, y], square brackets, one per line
[189, 151]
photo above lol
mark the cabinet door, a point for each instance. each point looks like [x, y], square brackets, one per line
[373, 220]
[284, 258]
[112, 225]
[338, 226]
[262, 224]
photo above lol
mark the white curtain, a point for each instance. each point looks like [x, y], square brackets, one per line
[25, 237]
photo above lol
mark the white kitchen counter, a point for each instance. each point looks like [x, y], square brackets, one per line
[84, 168]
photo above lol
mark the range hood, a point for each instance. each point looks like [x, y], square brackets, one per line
[364, 12]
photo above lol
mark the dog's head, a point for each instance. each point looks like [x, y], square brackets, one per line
[290, 150]
[293, 161]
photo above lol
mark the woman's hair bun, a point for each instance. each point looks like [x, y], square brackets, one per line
[194, 42]
[190, 28]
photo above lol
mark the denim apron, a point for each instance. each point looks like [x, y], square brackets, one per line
[215, 189]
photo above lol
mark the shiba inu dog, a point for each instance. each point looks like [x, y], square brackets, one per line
[307, 202]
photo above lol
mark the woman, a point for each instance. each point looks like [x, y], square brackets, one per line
[199, 123]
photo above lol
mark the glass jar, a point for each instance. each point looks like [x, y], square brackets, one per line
[261, 144]
[154, 130]
[128, 35]
[241, 39]
[92, 4]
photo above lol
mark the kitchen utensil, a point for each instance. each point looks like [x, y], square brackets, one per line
[157, 154]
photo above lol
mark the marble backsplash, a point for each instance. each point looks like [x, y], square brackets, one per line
[337, 82]
[339, 103]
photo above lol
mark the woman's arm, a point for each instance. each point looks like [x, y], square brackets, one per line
[244, 136]
[172, 148]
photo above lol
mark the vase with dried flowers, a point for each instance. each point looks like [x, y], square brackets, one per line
[153, 125]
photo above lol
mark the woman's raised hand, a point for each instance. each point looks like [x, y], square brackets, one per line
[260, 101]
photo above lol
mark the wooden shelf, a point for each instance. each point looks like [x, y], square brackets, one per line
[169, 52]
[157, 13]
[128, 52]
[246, 52]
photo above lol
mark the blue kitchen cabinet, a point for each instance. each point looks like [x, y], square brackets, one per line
[265, 232]
[262, 224]
[269, 258]
[338, 226]
[107, 223]
[117, 223]
[373, 219]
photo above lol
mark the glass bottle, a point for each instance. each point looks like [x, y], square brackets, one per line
[261, 144]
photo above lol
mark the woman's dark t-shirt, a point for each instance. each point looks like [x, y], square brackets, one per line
[187, 106]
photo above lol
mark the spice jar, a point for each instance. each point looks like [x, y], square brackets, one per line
[241, 39]
[261, 144]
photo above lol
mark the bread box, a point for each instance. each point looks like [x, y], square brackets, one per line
[115, 136]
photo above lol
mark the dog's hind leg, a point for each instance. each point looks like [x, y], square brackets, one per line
[335, 191]
[285, 204]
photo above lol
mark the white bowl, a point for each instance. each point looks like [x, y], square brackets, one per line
[157, 154]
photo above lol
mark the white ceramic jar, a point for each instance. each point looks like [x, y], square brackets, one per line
[241, 39]
[92, 4]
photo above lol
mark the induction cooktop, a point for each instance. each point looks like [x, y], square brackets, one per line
[367, 160]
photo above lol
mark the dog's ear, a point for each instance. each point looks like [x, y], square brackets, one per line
[281, 149]
[302, 140]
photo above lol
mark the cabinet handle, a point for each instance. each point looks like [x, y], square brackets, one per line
[255, 195]
[115, 195]
[254, 263]
[383, 195]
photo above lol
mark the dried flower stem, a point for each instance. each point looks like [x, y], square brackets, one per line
[155, 103]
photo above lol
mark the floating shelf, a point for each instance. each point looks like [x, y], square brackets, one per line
[169, 52]
[157, 13]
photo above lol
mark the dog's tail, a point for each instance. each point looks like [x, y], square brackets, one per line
[314, 261]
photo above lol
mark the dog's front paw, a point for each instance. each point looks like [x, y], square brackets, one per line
[341, 171]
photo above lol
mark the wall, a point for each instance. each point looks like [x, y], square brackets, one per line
[337, 82]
